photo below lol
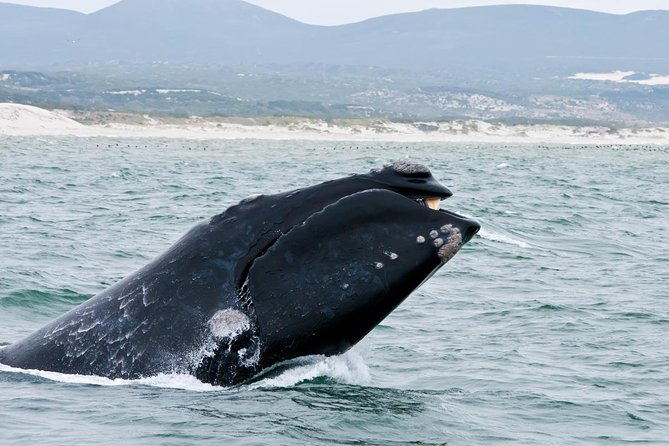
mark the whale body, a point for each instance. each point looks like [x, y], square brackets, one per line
[275, 277]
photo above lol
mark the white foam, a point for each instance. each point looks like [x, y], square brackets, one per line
[178, 381]
[502, 238]
[348, 368]
[170, 381]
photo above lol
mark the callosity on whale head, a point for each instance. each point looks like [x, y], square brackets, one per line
[275, 277]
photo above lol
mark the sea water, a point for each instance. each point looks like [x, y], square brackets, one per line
[549, 327]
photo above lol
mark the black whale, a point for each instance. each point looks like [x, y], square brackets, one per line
[275, 277]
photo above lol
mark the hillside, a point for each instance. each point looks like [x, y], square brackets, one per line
[514, 64]
[524, 40]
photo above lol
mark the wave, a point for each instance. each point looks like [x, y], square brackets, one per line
[348, 368]
[35, 299]
[502, 238]
[170, 381]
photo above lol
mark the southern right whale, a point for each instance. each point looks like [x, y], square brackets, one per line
[310, 271]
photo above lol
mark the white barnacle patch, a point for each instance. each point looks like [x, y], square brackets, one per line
[391, 255]
[404, 167]
[446, 228]
[251, 198]
[452, 245]
[434, 233]
[420, 239]
[438, 242]
[229, 323]
[379, 265]
[345, 286]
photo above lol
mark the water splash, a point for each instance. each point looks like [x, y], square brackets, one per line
[170, 381]
[502, 238]
[348, 368]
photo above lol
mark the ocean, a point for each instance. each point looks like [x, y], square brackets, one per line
[548, 328]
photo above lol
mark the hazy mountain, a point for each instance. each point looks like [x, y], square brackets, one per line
[29, 35]
[228, 57]
[205, 31]
[511, 38]
[518, 40]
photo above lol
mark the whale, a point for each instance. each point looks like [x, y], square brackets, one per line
[273, 278]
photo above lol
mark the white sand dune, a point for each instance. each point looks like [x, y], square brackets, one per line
[24, 120]
[621, 77]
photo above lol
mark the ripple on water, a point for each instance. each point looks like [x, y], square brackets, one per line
[549, 327]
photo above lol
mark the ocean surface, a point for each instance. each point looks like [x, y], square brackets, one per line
[549, 328]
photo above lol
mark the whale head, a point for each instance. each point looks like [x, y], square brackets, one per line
[275, 277]
[335, 259]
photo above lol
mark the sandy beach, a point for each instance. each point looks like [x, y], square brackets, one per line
[25, 120]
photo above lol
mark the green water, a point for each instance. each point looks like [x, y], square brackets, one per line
[549, 327]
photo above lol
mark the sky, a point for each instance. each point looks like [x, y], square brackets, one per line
[334, 12]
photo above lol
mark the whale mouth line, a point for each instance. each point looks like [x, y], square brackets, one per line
[431, 202]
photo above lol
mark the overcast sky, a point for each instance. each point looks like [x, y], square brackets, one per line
[332, 12]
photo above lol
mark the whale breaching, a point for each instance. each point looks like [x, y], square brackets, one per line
[275, 277]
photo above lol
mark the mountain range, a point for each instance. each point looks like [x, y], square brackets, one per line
[514, 63]
[514, 39]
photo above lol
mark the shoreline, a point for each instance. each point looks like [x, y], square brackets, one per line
[23, 120]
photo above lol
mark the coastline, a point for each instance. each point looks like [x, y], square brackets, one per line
[24, 120]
